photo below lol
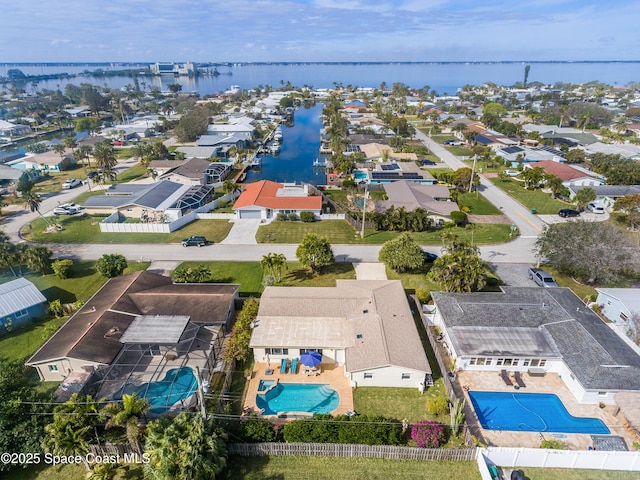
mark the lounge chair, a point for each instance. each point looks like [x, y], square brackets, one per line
[294, 366]
[283, 365]
[493, 471]
[505, 378]
[519, 381]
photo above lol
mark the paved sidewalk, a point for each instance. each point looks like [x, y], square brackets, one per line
[370, 271]
[243, 232]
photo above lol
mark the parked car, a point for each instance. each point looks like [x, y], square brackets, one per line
[66, 209]
[542, 278]
[426, 163]
[118, 143]
[430, 257]
[453, 142]
[567, 212]
[595, 207]
[198, 240]
[71, 183]
[511, 173]
[91, 175]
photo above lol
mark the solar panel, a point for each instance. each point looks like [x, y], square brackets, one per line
[512, 150]
[390, 166]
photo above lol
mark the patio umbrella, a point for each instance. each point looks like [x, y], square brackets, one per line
[310, 359]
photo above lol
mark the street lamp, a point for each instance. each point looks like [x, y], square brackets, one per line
[364, 208]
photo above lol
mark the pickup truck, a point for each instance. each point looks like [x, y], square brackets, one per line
[541, 277]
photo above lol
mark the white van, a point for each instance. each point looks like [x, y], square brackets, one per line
[595, 207]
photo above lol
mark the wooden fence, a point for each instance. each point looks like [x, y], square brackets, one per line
[350, 450]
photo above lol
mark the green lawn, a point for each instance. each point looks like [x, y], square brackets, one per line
[542, 202]
[340, 232]
[85, 282]
[478, 204]
[354, 468]
[132, 173]
[249, 275]
[86, 229]
[73, 471]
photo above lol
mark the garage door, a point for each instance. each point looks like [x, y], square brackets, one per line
[250, 213]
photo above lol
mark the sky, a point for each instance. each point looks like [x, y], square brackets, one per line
[317, 30]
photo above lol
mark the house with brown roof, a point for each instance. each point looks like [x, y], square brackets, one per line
[364, 326]
[196, 171]
[435, 199]
[568, 174]
[91, 338]
[266, 199]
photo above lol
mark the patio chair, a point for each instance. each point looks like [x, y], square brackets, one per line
[283, 365]
[493, 471]
[505, 378]
[519, 381]
[294, 366]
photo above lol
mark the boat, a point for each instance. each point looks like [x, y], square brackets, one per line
[275, 148]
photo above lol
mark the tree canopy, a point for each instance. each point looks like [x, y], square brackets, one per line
[315, 252]
[596, 252]
[461, 269]
[111, 265]
[402, 253]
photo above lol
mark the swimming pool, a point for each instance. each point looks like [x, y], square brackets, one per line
[530, 412]
[178, 384]
[298, 397]
[360, 175]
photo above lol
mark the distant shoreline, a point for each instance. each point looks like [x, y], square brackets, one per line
[231, 64]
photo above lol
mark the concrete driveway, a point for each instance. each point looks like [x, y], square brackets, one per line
[370, 271]
[243, 232]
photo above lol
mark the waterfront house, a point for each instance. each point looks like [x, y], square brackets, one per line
[9, 129]
[91, 338]
[266, 199]
[195, 171]
[364, 326]
[537, 330]
[20, 303]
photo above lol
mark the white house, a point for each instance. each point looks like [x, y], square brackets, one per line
[619, 304]
[538, 330]
[265, 199]
[365, 326]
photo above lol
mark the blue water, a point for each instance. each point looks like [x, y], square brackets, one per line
[530, 412]
[264, 384]
[441, 77]
[298, 397]
[178, 384]
[300, 147]
[360, 175]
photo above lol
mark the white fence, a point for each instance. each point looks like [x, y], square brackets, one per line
[331, 216]
[539, 458]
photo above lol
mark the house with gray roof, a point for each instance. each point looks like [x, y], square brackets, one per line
[435, 199]
[196, 171]
[364, 326]
[20, 303]
[537, 330]
[606, 195]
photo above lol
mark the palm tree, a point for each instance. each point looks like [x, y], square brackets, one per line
[32, 201]
[8, 253]
[229, 186]
[274, 263]
[105, 156]
[128, 415]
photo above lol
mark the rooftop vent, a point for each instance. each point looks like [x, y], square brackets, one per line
[359, 336]
[365, 311]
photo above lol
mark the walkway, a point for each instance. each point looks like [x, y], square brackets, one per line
[243, 232]
[370, 271]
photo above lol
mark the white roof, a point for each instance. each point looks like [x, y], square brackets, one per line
[17, 295]
[160, 329]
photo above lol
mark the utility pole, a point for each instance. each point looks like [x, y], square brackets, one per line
[364, 208]
[473, 171]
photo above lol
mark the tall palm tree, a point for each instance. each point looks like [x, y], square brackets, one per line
[128, 415]
[273, 264]
[32, 201]
[105, 156]
[229, 186]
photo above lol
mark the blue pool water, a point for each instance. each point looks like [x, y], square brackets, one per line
[360, 175]
[264, 384]
[178, 384]
[530, 412]
[297, 397]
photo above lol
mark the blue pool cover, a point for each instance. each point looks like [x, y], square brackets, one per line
[530, 412]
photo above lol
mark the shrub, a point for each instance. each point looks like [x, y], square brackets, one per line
[307, 217]
[56, 308]
[553, 444]
[427, 434]
[62, 268]
[423, 294]
[360, 429]
[458, 217]
[256, 430]
[111, 265]
[282, 217]
[437, 406]
[347, 183]
[292, 217]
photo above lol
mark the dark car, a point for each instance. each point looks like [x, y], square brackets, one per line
[92, 175]
[195, 240]
[424, 163]
[567, 212]
[430, 257]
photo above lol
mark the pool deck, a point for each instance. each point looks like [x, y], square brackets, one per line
[550, 383]
[331, 375]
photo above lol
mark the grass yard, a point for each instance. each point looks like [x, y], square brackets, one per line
[459, 151]
[22, 343]
[340, 232]
[73, 471]
[477, 204]
[249, 275]
[353, 468]
[86, 229]
[132, 173]
[542, 202]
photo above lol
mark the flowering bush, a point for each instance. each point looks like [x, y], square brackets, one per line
[427, 434]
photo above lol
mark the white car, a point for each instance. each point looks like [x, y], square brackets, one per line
[71, 183]
[66, 209]
[511, 173]
[595, 207]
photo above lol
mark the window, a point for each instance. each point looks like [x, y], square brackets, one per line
[538, 362]
[481, 361]
[276, 351]
[53, 367]
[602, 394]
[406, 376]
[305, 350]
[21, 313]
[624, 317]
[368, 376]
[500, 361]
[543, 362]
[515, 362]
[526, 362]
[488, 361]
[508, 362]
[473, 361]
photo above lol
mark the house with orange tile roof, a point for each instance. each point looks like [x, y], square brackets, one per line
[266, 199]
[568, 174]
